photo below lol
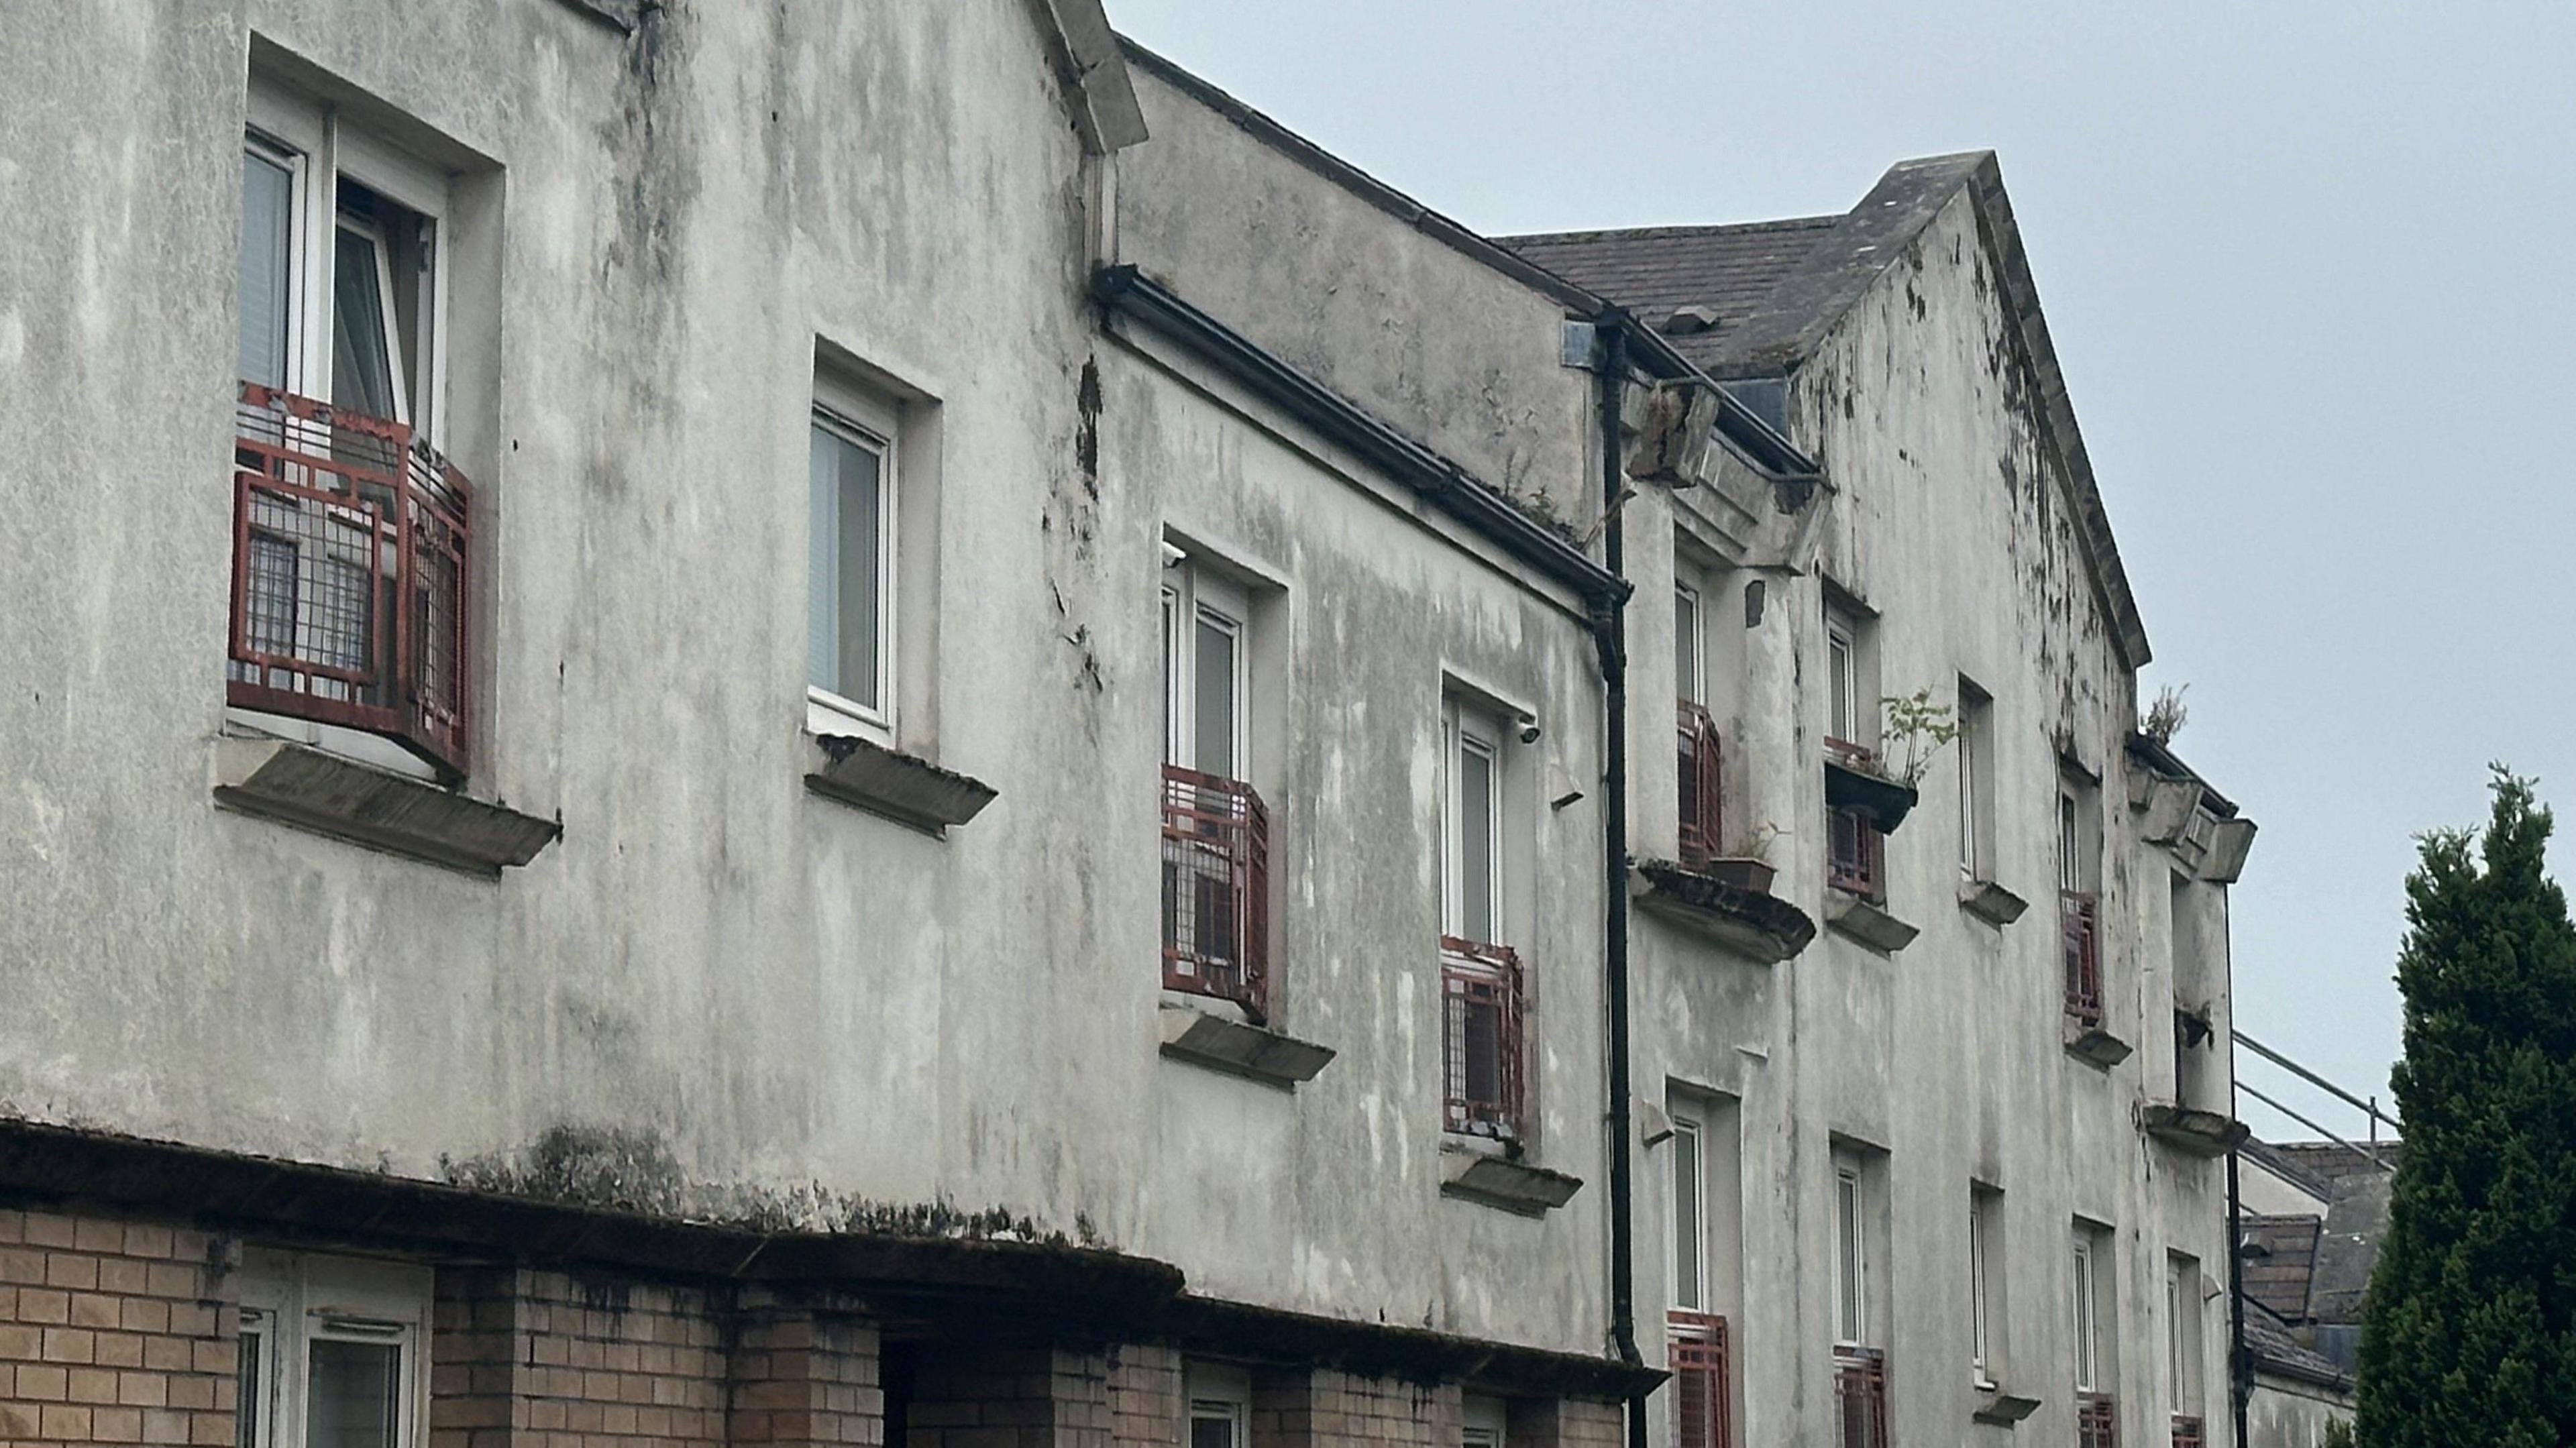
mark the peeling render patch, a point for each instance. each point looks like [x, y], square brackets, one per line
[618, 1170]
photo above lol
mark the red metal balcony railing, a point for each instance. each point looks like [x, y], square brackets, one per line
[1216, 889]
[1480, 1039]
[1703, 825]
[1703, 1406]
[2187, 1432]
[2096, 1424]
[1860, 1398]
[1855, 854]
[350, 539]
[2079, 928]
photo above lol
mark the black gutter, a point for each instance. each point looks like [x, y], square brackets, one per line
[1124, 291]
[1610, 631]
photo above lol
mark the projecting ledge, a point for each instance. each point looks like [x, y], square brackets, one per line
[298, 785]
[2002, 1409]
[1991, 902]
[2093, 1045]
[1195, 1036]
[1759, 926]
[1497, 1181]
[907, 790]
[2190, 1131]
[1867, 923]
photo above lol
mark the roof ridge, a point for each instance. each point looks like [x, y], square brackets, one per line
[1633, 233]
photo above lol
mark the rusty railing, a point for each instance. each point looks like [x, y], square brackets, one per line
[2097, 1425]
[1703, 825]
[2187, 1432]
[1216, 889]
[2079, 930]
[1860, 1398]
[350, 539]
[1703, 1405]
[1481, 1013]
[1855, 854]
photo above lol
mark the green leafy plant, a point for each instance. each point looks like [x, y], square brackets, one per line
[1753, 844]
[1915, 728]
[2166, 716]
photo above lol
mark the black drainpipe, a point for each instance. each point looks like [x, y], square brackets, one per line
[1610, 633]
[2240, 1364]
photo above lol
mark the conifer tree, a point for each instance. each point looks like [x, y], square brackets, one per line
[2470, 1332]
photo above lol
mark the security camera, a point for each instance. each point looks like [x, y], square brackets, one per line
[1529, 733]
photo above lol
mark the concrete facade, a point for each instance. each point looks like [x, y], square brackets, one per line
[645, 1089]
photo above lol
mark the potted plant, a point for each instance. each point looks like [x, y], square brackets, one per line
[1866, 781]
[1745, 863]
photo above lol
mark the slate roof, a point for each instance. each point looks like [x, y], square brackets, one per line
[2277, 1349]
[1658, 270]
[1781, 288]
[2280, 1276]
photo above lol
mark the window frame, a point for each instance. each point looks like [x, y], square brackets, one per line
[1468, 729]
[289, 1302]
[1204, 597]
[1212, 1393]
[2183, 1335]
[1690, 644]
[1976, 782]
[1689, 1291]
[1982, 1204]
[1842, 681]
[2087, 1309]
[874, 425]
[1483, 1422]
[1851, 1244]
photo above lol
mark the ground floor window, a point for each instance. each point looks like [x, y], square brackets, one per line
[331, 1353]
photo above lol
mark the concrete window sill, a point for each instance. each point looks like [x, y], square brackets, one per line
[2192, 1132]
[1990, 902]
[1491, 1179]
[2094, 1046]
[1867, 923]
[2002, 1409]
[890, 784]
[1762, 928]
[1238, 1049]
[297, 785]
[625, 15]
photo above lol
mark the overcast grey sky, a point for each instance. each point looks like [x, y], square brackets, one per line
[2306, 266]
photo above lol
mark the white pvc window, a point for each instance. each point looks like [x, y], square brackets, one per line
[331, 1354]
[1851, 1255]
[2088, 1353]
[1690, 1202]
[341, 281]
[1842, 683]
[1976, 759]
[850, 531]
[2070, 843]
[1474, 853]
[1483, 1422]
[1981, 1230]
[1220, 1406]
[2182, 1327]
[1207, 683]
[1690, 653]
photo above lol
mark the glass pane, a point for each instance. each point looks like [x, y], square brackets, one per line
[1686, 645]
[2067, 873]
[268, 221]
[1838, 671]
[362, 375]
[2083, 1318]
[1215, 702]
[1171, 675]
[1847, 1259]
[353, 1397]
[843, 567]
[1476, 844]
[1686, 1228]
[249, 1381]
[1211, 1433]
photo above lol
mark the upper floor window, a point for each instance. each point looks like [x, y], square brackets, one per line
[1697, 758]
[1216, 833]
[2079, 910]
[850, 533]
[1860, 1367]
[2092, 1296]
[1985, 1299]
[349, 600]
[2182, 1327]
[1851, 1252]
[1976, 747]
[1842, 679]
[1480, 977]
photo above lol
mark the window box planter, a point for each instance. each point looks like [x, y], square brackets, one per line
[1750, 922]
[1856, 780]
[1496, 1180]
[2190, 1131]
[1240, 1049]
[1865, 921]
[1991, 902]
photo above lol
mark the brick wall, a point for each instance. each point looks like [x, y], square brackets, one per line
[113, 1332]
[1327, 1408]
[523, 1359]
[805, 1379]
[1145, 1396]
[1565, 1423]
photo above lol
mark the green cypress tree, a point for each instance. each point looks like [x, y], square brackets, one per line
[2470, 1333]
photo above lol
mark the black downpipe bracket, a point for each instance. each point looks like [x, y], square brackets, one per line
[1610, 633]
